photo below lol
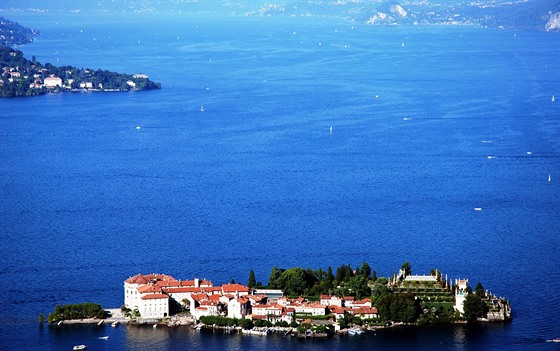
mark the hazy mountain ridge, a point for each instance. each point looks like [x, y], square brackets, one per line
[522, 14]
[12, 33]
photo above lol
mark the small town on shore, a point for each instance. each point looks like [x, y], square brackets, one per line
[402, 299]
[22, 77]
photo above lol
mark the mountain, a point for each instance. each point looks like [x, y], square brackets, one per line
[12, 33]
[519, 14]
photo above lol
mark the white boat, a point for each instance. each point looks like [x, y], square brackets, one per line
[103, 337]
[331, 130]
[79, 347]
[549, 177]
[491, 157]
[552, 98]
[155, 326]
[115, 324]
[201, 108]
[355, 331]
[100, 322]
[478, 208]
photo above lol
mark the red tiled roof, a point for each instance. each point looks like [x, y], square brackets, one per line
[149, 289]
[146, 278]
[182, 290]
[199, 297]
[154, 296]
[234, 288]
[214, 298]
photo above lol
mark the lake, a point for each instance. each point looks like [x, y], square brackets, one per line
[428, 123]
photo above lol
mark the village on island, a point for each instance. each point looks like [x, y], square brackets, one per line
[402, 299]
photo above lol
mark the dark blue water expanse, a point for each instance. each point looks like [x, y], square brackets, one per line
[428, 123]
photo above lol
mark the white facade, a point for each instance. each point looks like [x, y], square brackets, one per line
[460, 294]
[154, 306]
[131, 295]
[314, 310]
[52, 82]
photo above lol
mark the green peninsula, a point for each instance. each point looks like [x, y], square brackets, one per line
[23, 77]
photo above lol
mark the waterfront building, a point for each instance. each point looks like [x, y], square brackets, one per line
[52, 82]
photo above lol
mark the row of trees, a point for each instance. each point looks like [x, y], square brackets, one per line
[312, 283]
[76, 311]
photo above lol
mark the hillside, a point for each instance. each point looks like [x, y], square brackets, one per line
[518, 14]
[12, 33]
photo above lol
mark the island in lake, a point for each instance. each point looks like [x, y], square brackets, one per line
[20, 76]
[309, 303]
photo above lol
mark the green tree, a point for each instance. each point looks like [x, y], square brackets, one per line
[293, 281]
[398, 307]
[252, 280]
[366, 270]
[330, 277]
[406, 268]
[274, 277]
[479, 290]
[474, 308]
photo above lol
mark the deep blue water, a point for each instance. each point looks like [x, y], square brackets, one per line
[257, 180]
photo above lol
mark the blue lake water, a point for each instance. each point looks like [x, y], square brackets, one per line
[258, 180]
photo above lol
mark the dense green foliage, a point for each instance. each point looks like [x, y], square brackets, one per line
[312, 283]
[76, 311]
[474, 308]
[398, 307]
[252, 280]
[23, 77]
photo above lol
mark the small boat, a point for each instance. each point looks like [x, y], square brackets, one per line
[491, 157]
[103, 337]
[355, 331]
[79, 347]
[331, 130]
[115, 324]
[154, 326]
[100, 322]
[59, 323]
[201, 108]
[554, 340]
[549, 177]
[552, 100]
[478, 208]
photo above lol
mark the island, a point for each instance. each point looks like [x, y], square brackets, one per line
[305, 302]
